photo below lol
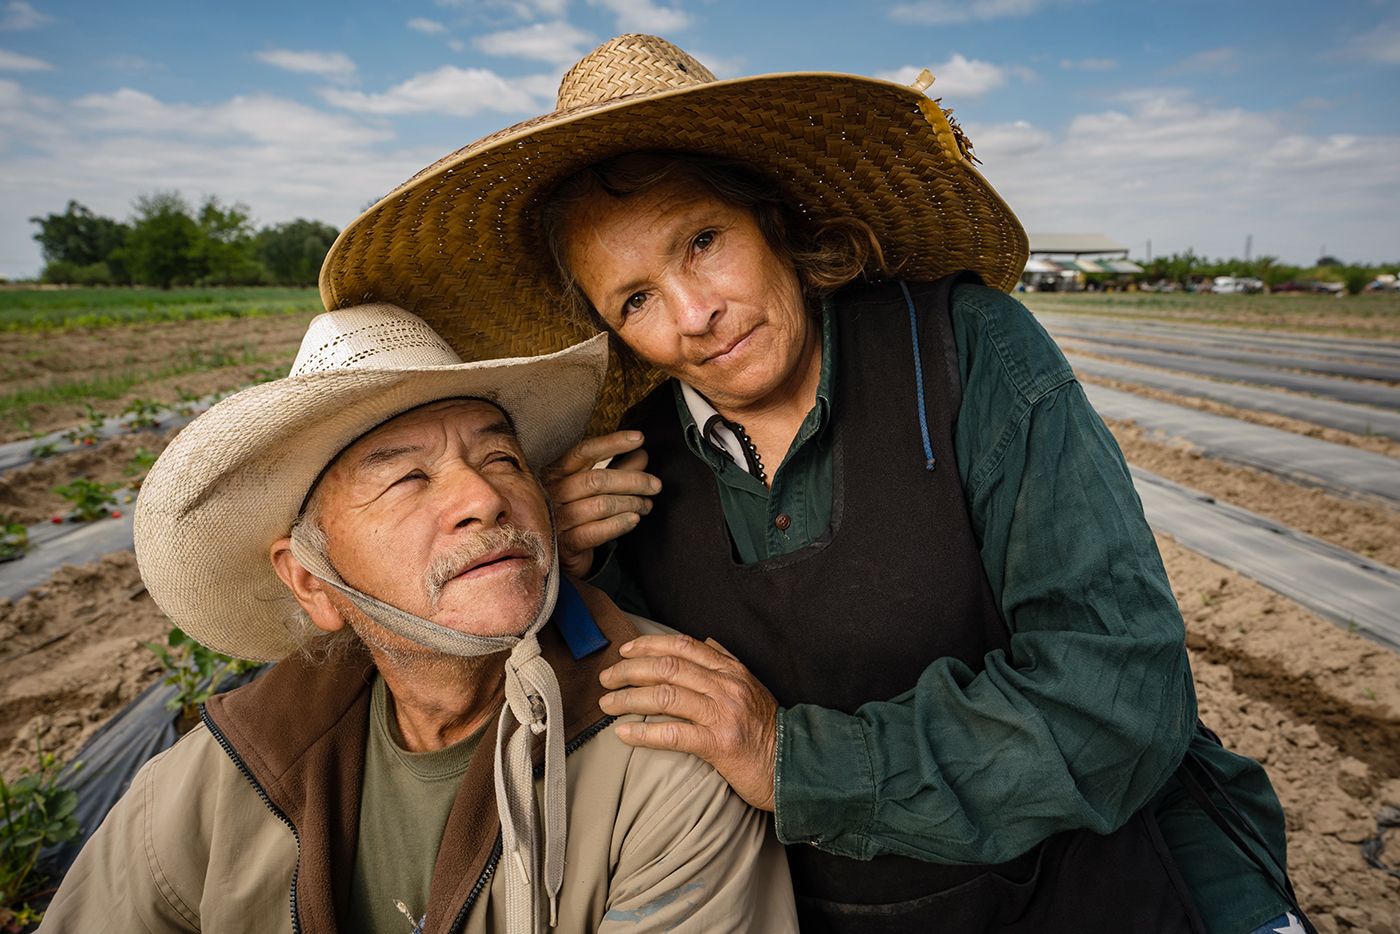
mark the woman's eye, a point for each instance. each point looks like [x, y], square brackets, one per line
[634, 302]
[703, 240]
[506, 460]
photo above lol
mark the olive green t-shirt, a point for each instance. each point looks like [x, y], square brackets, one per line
[404, 803]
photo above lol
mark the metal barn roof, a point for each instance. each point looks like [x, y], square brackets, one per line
[1074, 244]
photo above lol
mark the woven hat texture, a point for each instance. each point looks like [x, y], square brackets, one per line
[233, 481]
[466, 229]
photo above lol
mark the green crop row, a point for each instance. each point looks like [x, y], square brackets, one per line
[54, 309]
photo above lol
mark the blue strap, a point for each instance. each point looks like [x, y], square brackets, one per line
[575, 623]
[919, 377]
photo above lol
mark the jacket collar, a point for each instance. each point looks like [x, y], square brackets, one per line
[299, 733]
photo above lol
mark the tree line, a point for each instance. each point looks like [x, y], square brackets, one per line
[1185, 268]
[166, 243]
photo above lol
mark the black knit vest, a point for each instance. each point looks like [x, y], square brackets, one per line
[895, 582]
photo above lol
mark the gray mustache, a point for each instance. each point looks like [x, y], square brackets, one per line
[447, 566]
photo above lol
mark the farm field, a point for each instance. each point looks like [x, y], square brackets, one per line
[1318, 704]
[1375, 315]
[108, 348]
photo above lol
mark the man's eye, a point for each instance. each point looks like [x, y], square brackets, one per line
[504, 460]
[410, 476]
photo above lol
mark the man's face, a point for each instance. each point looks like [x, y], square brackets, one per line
[436, 512]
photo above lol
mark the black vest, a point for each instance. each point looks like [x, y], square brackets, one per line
[895, 582]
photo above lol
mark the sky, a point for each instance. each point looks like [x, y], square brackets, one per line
[1166, 125]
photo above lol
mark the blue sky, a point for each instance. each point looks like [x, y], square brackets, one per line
[1190, 124]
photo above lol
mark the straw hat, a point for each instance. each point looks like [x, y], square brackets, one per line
[467, 226]
[233, 481]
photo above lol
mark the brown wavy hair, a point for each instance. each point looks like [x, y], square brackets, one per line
[827, 253]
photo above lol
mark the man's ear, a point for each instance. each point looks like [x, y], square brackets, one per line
[309, 591]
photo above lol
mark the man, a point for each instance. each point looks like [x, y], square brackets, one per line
[379, 778]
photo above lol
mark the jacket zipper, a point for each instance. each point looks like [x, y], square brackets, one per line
[267, 801]
[490, 869]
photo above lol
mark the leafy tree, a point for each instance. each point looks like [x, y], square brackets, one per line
[226, 251]
[164, 246]
[77, 243]
[292, 252]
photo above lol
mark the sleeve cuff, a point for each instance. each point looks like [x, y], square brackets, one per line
[824, 783]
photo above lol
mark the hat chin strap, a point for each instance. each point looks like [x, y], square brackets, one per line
[533, 700]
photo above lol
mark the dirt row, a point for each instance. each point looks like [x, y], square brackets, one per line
[1377, 444]
[1318, 706]
[213, 355]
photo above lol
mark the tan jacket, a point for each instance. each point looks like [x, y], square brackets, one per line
[249, 823]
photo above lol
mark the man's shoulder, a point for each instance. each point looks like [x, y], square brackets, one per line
[648, 627]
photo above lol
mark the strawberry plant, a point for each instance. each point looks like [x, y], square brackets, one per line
[140, 462]
[91, 500]
[141, 413]
[88, 433]
[44, 449]
[34, 813]
[14, 542]
[194, 671]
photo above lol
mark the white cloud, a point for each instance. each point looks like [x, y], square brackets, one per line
[135, 63]
[645, 15]
[426, 26]
[556, 42]
[1380, 46]
[20, 15]
[1089, 64]
[1168, 167]
[13, 61]
[284, 159]
[1223, 60]
[334, 65]
[944, 12]
[959, 77]
[456, 45]
[257, 118]
[460, 92]
[522, 9]
[723, 66]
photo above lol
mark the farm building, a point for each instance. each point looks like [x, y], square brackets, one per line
[1060, 262]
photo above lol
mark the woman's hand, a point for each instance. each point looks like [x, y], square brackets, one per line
[594, 505]
[723, 714]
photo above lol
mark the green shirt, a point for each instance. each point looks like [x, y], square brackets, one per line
[404, 803]
[978, 771]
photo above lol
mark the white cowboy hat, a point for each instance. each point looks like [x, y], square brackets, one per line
[834, 144]
[234, 480]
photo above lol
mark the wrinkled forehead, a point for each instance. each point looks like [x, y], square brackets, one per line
[395, 437]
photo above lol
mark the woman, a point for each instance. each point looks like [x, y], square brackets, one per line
[963, 677]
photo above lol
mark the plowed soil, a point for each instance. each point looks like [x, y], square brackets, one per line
[1319, 706]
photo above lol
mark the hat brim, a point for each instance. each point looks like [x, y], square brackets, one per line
[233, 481]
[468, 225]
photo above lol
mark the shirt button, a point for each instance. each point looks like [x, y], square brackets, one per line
[783, 521]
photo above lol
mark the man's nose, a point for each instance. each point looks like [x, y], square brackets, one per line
[472, 500]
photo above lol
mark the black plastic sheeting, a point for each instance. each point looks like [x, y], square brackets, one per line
[111, 758]
[1361, 419]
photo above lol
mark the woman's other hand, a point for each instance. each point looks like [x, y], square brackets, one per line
[723, 714]
[594, 505]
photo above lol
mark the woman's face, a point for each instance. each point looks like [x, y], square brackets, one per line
[691, 285]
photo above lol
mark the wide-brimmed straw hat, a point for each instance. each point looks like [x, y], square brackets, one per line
[234, 480]
[465, 231]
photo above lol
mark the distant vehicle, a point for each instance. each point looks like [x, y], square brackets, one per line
[1233, 285]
